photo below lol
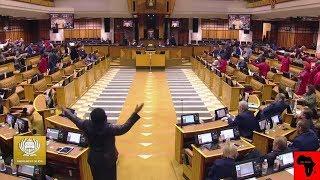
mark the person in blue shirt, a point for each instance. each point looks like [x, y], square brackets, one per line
[225, 166]
[245, 121]
[306, 139]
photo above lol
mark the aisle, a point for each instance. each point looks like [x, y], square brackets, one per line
[147, 151]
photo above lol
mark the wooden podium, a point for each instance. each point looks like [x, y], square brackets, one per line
[150, 59]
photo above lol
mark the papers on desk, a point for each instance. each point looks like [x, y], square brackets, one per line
[290, 170]
[253, 106]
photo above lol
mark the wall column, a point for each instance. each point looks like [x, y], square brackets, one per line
[195, 36]
[318, 42]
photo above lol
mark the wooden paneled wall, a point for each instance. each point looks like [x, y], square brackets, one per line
[49, 3]
[120, 32]
[291, 34]
[217, 29]
[29, 30]
[85, 28]
[257, 29]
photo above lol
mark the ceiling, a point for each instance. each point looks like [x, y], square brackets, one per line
[182, 8]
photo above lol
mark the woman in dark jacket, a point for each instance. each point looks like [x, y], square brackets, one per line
[101, 137]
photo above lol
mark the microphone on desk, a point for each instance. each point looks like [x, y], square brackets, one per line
[181, 112]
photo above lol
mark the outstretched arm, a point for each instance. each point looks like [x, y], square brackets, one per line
[77, 121]
[118, 130]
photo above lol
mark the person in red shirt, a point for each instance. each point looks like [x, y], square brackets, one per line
[285, 62]
[222, 65]
[316, 79]
[314, 70]
[264, 68]
[303, 79]
[43, 64]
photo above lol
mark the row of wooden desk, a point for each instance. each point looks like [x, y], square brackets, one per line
[129, 52]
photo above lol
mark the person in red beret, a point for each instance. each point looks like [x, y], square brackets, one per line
[303, 79]
[264, 68]
[285, 62]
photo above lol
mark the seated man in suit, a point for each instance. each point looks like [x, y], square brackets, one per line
[307, 115]
[306, 139]
[275, 108]
[279, 146]
[245, 121]
[225, 166]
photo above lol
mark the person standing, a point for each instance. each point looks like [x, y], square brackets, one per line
[101, 137]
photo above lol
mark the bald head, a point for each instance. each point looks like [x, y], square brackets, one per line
[243, 106]
[280, 97]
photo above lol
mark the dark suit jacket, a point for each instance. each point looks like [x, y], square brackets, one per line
[246, 122]
[306, 142]
[272, 156]
[222, 168]
[274, 108]
[101, 137]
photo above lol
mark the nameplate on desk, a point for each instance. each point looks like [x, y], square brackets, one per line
[29, 150]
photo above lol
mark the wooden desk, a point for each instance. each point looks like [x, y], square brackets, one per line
[57, 121]
[66, 95]
[265, 89]
[90, 77]
[80, 85]
[263, 141]
[74, 162]
[114, 51]
[6, 138]
[7, 67]
[157, 60]
[230, 95]
[216, 87]
[208, 75]
[9, 177]
[198, 50]
[40, 106]
[190, 131]
[242, 78]
[283, 175]
[202, 158]
[97, 70]
[274, 77]
[126, 53]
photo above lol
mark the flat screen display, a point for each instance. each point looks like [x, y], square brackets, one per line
[239, 21]
[286, 158]
[52, 133]
[175, 24]
[275, 119]
[245, 169]
[10, 119]
[205, 138]
[73, 137]
[127, 23]
[227, 134]
[188, 119]
[62, 21]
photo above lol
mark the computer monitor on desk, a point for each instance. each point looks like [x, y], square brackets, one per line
[248, 169]
[221, 113]
[230, 133]
[286, 160]
[187, 119]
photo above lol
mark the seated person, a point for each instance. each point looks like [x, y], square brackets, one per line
[245, 121]
[242, 64]
[309, 99]
[307, 115]
[279, 146]
[306, 139]
[275, 108]
[225, 166]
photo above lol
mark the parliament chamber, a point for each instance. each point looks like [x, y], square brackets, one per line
[159, 89]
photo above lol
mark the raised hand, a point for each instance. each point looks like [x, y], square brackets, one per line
[138, 108]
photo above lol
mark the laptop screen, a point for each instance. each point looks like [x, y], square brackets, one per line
[220, 113]
[26, 169]
[204, 138]
[287, 158]
[245, 169]
[73, 137]
[262, 124]
[227, 134]
[275, 119]
[52, 133]
[187, 119]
